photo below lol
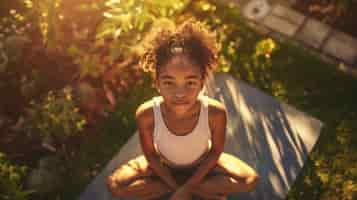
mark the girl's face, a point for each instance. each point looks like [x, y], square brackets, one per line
[180, 82]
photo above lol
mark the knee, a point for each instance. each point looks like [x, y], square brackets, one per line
[252, 181]
[113, 186]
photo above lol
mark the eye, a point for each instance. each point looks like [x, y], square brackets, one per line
[192, 83]
[167, 83]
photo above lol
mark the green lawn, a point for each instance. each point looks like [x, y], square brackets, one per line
[301, 79]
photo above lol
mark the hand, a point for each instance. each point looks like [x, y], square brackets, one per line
[181, 193]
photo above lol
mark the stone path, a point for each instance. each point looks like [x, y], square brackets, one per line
[272, 137]
[275, 18]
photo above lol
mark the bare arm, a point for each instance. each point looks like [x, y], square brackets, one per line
[145, 128]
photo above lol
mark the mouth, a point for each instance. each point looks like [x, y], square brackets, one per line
[180, 103]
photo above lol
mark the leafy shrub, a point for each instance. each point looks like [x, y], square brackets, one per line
[56, 119]
[11, 178]
[47, 177]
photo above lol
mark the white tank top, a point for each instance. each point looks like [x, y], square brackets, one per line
[183, 150]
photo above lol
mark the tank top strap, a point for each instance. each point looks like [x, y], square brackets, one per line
[156, 104]
[204, 100]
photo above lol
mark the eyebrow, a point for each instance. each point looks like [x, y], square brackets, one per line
[187, 77]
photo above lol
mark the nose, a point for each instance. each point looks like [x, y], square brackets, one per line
[180, 92]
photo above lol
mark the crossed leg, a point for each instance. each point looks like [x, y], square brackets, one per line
[231, 174]
[136, 179]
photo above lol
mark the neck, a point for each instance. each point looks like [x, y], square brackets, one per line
[186, 115]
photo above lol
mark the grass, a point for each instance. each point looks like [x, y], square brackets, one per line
[321, 90]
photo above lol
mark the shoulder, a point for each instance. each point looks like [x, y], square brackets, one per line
[217, 112]
[145, 123]
[215, 108]
[144, 114]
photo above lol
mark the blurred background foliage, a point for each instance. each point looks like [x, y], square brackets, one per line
[70, 72]
[11, 178]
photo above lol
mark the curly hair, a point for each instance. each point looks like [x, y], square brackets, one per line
[191, 39]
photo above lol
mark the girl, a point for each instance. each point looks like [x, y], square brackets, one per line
[182, 132]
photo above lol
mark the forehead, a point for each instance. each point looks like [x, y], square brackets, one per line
[180, 67]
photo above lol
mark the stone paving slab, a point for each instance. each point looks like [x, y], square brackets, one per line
[284, 23]
[313, 33]
[260, 29]
[341, 46]
[286, 3]
[280, 25]
[289, 14]
[272, 137]
[256, 10]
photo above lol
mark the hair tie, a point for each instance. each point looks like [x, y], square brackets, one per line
[176, 50]
[176, 47]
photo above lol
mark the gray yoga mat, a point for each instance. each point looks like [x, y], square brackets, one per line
[272, 137]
